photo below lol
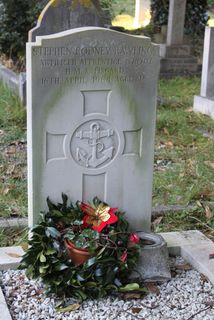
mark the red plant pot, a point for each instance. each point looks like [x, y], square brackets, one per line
[78, 256]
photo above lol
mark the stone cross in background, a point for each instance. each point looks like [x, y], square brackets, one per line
[205, 102]
[91, 120]
[176, 56]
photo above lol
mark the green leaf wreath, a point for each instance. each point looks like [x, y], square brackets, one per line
[102, 230]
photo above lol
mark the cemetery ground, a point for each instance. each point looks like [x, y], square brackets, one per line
[183, 166]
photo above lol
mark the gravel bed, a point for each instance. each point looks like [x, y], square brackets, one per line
[189, 295]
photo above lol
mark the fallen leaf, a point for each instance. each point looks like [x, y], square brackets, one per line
[6, 191]
[199, 204]
[209, 164]
[211, 256]
[207, 194]
[157, 221]
[184, 267]
[203, 278]
[169, 144]
[166, 131]
[11, 150]
[10, 169]
[136, 310]
[13, 255]
[132, 295]
[152, 287]
[209, 303]
[71, 307]
[208, 212]
[189, 110]
[1, 132]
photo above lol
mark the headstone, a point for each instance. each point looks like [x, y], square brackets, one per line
[62, 15]
[177, 58]
[142, 13]
[91, 120]
[205, 102]
[176, 17]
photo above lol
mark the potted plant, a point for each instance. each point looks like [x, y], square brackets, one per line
[83, 250]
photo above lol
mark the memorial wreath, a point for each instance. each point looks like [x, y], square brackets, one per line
[82, 250]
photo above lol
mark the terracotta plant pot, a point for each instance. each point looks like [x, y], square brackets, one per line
[78, 256]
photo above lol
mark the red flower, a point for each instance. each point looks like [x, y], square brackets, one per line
[99, 216]
[134, 238]
[123, 258]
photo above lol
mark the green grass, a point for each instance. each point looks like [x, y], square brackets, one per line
[12, 155]
[179, 141]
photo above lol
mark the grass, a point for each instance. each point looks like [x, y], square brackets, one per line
[12, 155]
[181, 144]
[184, 165]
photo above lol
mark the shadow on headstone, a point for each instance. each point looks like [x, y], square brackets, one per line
[62, 15]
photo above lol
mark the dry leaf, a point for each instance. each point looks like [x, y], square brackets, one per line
[208, 212]
[10, 169]
[211, 256]
[199, 204]
[11, 150]
[203, 278]
[210, 164]
[136, 310]
[183, 267]
[157, 221]
[169, 144]
[209, 303]
[13, 255]
[132, 295]
[152, 287]
[6, 191]
[189, 110]
[166, 131]
[71, 307]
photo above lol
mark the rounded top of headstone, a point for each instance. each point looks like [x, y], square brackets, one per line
[62, 15]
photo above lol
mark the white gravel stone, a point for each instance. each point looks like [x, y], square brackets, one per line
[187, 296]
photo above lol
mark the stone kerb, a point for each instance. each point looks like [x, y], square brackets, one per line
[205, 102]
[91, 120]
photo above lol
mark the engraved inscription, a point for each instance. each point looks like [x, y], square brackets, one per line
[94, 144]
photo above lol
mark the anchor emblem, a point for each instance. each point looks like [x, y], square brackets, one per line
[99, 154]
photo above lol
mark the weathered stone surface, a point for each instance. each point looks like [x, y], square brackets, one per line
[153, 262]
[175, 30]
[91, 120]
[194, 247]
[204, 105]
[175, 51]
[4, 314]
[61, 15]
[10, 257]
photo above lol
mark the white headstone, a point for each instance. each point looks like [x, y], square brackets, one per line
[205, 102]
[142, 13]
[91, 120]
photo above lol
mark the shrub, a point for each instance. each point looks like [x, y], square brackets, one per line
[17, 17]
[195, 19]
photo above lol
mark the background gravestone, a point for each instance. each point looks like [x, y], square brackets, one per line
[205, 102]
[61, 15]
[177, 58]
[91, 120]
